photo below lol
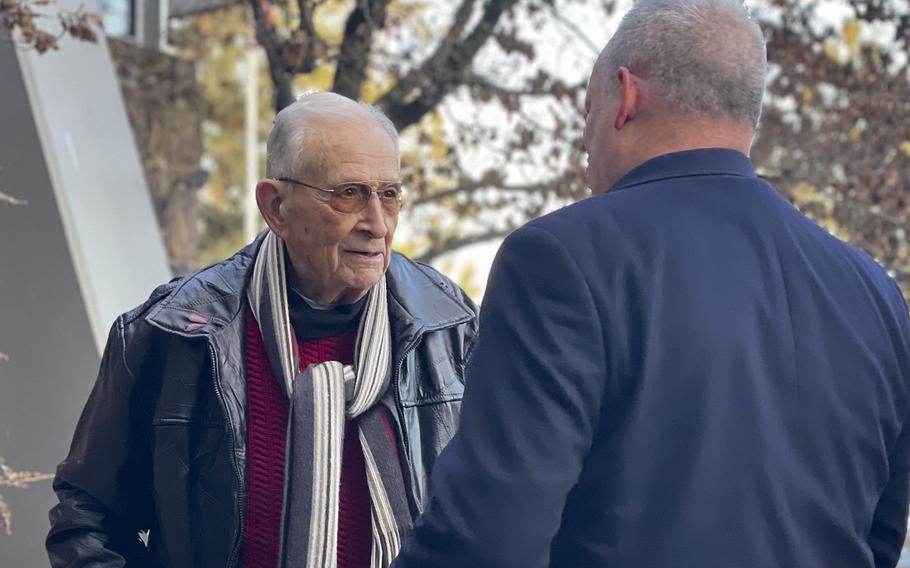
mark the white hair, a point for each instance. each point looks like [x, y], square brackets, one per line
[384, 121]
[705, 56]
[292, 144]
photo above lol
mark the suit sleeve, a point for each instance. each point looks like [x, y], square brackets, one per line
[889, 524]
[103, 485]
[532, 403]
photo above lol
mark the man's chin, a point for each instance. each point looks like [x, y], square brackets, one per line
[356, 287]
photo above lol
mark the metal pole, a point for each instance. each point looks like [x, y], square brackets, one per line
[251, 210]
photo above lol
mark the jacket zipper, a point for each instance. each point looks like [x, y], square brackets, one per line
[399, 407]
[230, 431]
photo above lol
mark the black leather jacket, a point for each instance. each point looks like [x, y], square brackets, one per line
[161, 444]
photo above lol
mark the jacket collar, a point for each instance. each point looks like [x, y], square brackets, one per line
[205, 302]
[420, 300]
[688, 163]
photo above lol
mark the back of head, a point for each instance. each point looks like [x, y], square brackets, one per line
[703, 56]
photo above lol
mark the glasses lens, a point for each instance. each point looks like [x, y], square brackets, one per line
[351, 197]
[391, 196]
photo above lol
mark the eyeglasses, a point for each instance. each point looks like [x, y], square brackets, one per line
[353, 196]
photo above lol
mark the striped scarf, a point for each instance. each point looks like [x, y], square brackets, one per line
[321, 398]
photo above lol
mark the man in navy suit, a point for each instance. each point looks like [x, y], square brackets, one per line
[682, 370]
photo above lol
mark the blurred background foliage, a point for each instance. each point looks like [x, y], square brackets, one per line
[488, 98]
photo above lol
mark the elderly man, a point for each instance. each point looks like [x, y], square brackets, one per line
[284, 406]
[696, 374]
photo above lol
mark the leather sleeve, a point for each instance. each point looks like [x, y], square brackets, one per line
[103, 485]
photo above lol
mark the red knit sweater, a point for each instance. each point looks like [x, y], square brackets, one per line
[266, 432]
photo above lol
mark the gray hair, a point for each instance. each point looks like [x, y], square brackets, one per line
[384, 121]
[292, 140]
[705, 55]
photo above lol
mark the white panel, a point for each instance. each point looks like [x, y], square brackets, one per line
[97, 177]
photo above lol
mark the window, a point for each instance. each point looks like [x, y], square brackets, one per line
[118, 16]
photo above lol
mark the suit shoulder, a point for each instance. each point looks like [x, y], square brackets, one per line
[578, 221]
[876, 272]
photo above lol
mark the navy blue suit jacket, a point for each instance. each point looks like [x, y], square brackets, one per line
[684, 371]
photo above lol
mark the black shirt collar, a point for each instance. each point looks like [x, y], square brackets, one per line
[312, 321]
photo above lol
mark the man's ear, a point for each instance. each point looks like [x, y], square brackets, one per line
[629, 97]
[269, 198]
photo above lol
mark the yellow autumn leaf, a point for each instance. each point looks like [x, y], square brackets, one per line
[853, 29]
[834, 228]
[439, 147]
[401, 8]
[373, 89]
[468, 278]
[905, 147]
[330, 18]
[320, 78]
[832, 49]
[805, 193]
[281, 18]
[408, 247]
[807, 95]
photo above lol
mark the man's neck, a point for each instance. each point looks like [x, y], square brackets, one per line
[314, 321]
[675, 133]
[693, 131]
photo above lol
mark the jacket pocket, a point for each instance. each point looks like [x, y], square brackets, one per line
[431, 374]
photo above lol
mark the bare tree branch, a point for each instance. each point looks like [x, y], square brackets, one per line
[444, 70]
[267, 37]
[443, 246]
[350, 71]
[542, 85]
[6, 517]
[20, 21]
[471, 187]
[573, 28]
[20, 479]
[421, 74]
[4, 198]
[306, 19]
[484, 86]
[286, 56]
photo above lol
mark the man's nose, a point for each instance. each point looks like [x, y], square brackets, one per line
[373, 217]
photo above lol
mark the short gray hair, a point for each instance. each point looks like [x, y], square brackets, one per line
[384, 121]
[705, 55]
[292, 140]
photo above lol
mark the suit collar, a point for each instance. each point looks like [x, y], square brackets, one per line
[688, 163]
